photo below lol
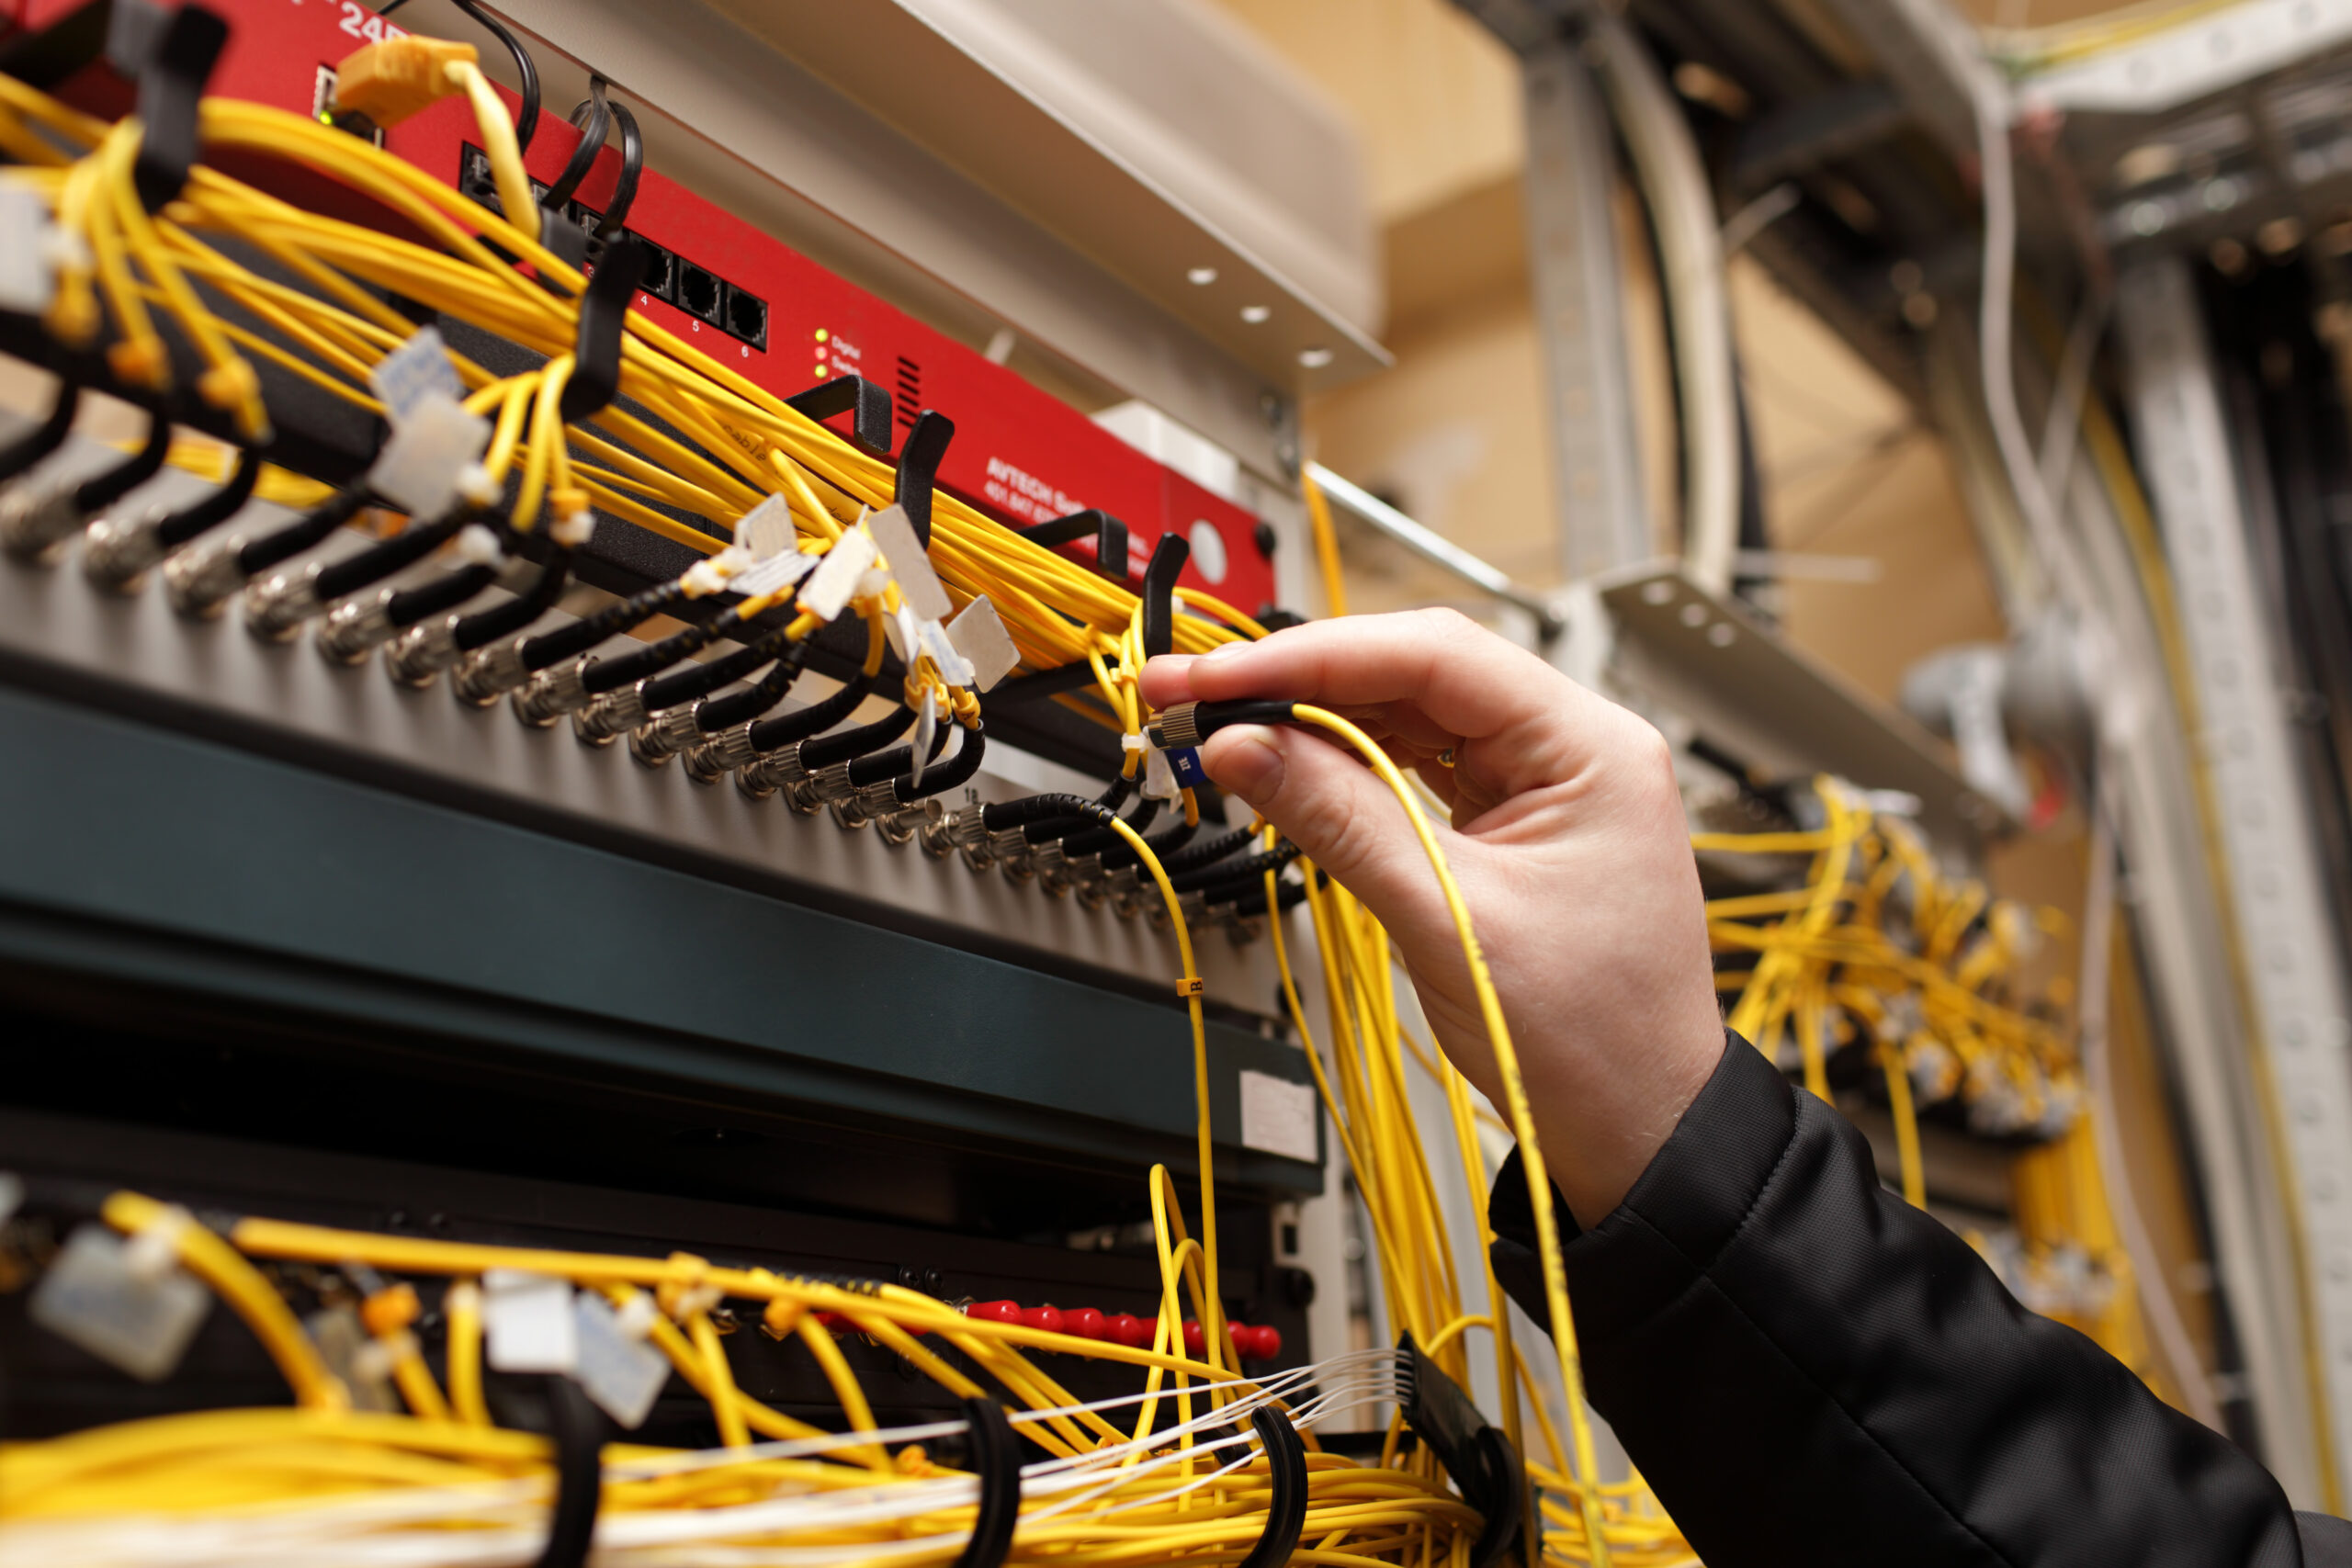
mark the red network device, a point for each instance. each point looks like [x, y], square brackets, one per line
[1019, 454]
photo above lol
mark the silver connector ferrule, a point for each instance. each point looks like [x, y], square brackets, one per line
[602, 721]
[713, 759]
[665, 735]
[551, 693]
[35, 519]
[423, 651]
[201, 578]
[489, 673]
[356, 627]
[276, 606]
[118, 551]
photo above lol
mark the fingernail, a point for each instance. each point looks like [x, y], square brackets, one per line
[1248, 762]
[1226, 650]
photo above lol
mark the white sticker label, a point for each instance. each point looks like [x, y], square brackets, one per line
[27, 270]
[768, 529]
[895, 532]
[1277, 1115]
[905, 634]
[421, 468]
[774, 574]
[1159, 778]
[621, 1373]
[954, 668]
[979, 636]
[418, 369]
[529, 1322]
[94, 1295]
[829, 588]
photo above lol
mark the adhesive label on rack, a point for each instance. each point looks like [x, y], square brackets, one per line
[416, 370]
[904, 554]
[621, 1374]
[768, 529]
[829, 588]
[529, 1322]
[1277, 1115]
[94, 1296]
[777, 572]
[1185, 762]
[979, 636]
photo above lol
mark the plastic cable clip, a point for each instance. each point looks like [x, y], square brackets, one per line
[170, 87]
[529, 1322]
[617, 1369]
[996, 1463]
[419, 369]
[108, 1296]
[1286, 1499]
[1474, 1452]
[595, 379]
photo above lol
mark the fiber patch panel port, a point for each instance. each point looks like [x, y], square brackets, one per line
[747, 317]
[700, 294]
[475, 181]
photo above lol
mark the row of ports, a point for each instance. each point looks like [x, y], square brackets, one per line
[669, 277]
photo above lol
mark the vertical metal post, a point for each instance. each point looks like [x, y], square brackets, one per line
[2292, 958]
[1580, 314]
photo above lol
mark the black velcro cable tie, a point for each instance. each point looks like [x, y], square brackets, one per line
[595, 379]
[996, 1465]
[578, 1428]
[867, 404]
[1287, 1505]
[919, 462]
[171, 85]
[1168, 559]
[1477, 1455]
[1111, 554]
[61, 50]
[1067, 530]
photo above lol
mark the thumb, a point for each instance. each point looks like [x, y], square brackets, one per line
[1340, 813]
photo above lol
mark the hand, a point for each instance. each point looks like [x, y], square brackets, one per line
[1568, 840]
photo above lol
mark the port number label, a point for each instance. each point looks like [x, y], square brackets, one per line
[365, 25]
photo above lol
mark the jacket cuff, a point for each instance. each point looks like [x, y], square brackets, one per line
[1680, 1213]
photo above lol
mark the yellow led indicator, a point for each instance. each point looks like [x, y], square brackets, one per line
[819, 373]
[822, 334]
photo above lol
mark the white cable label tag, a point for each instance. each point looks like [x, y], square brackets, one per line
[28, 263]
[903, 552]
[619, 1370]
[829, 588]
[422, 469]
[418, 369]
[97, 1296]
[904, 634]
[1278, 1115]
[774, 574]
[954, 668]
[529, 1322]
[343, 1345]
[979, 636]
[768, 529]
[1159, 778]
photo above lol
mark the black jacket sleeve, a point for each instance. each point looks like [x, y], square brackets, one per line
[1808, 1370]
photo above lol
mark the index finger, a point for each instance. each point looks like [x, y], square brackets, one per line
[1524, 722]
